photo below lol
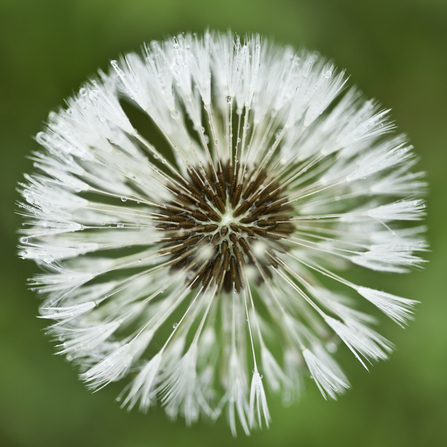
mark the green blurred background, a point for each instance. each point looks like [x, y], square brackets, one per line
[396, 51]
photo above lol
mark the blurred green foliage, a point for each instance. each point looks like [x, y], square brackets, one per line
[396, 51]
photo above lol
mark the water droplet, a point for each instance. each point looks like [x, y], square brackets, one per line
[42, 138]
[175, 325]
[261, 376]
[93, 95]
[216, 141]
[120, 225]
[83, 91]
[229, 99]
[52, 116]
[139, 260]
[118, 399]
[163, 160]
[247, 126]
[239, 140]
[206, 138]
[331, 347]
[175, 114]
[123, 199]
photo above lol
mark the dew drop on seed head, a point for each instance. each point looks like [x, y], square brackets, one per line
[42, 138]
[123, 199]
[229, 99]
[175, 325]
[331, 347]
[93, 95]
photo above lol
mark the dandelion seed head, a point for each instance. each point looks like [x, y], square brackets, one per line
[202, 263]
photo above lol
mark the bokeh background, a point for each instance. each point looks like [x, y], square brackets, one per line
[396, 51]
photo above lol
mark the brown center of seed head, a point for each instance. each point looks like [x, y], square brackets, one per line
[221, 221]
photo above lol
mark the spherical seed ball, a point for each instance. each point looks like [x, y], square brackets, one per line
[209, 269]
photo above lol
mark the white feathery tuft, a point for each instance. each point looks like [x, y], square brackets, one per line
[204, 236]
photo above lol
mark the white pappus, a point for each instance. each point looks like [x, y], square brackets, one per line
[193, 252]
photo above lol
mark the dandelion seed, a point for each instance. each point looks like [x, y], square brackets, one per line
[193, 268]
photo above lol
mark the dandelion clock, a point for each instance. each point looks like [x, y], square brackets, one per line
[203, 263]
